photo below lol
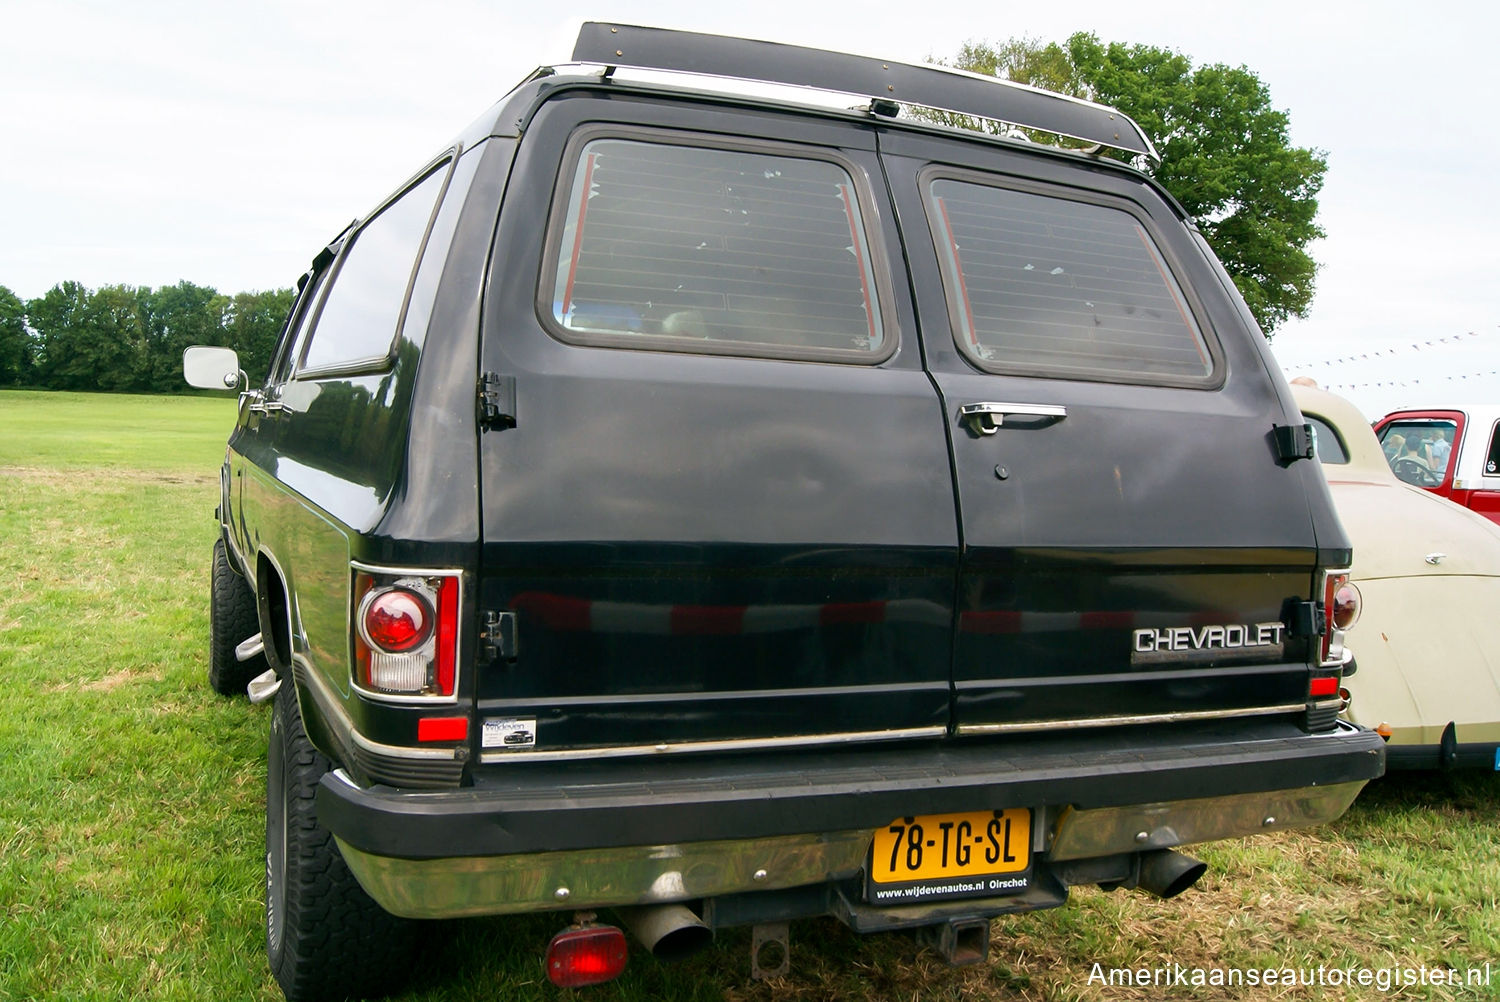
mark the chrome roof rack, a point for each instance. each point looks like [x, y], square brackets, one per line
[935, 87]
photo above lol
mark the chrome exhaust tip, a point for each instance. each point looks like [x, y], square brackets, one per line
[1167, 873]
[669, 932]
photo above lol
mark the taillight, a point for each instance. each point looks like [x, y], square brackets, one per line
[1341, 601]
[395, 620]
[406, 633]
[1346, 603]
[589, 955]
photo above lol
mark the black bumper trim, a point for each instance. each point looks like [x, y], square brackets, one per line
[521, 808]
[1478, 755]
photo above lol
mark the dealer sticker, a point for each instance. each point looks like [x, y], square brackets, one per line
[507, 733]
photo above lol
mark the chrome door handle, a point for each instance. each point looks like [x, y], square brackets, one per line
[260, 405]
[986, 418]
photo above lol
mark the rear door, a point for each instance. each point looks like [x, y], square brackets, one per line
[1130, 541]
[721, 509]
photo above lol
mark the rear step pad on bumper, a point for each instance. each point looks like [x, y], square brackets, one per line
[521, 808]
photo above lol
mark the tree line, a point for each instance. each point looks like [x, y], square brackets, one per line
[130, 338]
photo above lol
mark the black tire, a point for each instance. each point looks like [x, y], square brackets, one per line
[325, 937]
[232, 618]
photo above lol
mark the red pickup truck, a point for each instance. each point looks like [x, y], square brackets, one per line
[1452, 451]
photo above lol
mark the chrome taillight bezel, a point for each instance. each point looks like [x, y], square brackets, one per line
[1332, 652]
[442, 590]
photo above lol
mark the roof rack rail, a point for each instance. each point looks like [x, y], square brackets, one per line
[934, 87]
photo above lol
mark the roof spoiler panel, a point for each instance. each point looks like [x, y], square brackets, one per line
[928, 86]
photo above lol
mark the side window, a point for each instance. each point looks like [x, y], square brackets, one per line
[1043, 285]
[297, 323]
[362, 309]
[722, 250]
[1326, 442]
[1492, 459]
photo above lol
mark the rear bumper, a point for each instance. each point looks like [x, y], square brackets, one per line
[534, 837]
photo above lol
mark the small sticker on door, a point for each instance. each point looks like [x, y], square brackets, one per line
[510, 732]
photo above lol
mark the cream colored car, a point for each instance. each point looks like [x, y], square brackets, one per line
[1428, 652]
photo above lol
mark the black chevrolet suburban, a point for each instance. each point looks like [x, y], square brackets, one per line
[706, 493]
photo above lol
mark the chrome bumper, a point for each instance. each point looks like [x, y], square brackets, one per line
[641, 875]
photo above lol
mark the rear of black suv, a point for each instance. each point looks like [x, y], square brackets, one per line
[782, 511]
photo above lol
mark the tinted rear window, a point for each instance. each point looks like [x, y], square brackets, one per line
[1326, 442]
[700, 248]
[1045, 285]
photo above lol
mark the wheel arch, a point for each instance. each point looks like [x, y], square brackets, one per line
[274, 597]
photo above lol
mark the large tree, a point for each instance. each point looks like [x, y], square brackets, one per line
[1225, 152]
[87, 340]
[252, 322]
[172, 318]
[17, 349]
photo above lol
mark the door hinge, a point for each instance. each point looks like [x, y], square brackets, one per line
[497, 401]
[497, 636]
[1292, 442]
[1303, 619]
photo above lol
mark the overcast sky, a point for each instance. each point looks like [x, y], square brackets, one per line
[149, 142]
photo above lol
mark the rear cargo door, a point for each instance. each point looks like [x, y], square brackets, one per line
[1130, 540]
[716, 494]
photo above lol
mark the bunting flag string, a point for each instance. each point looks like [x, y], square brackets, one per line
[1386, 352]
[1395, 383]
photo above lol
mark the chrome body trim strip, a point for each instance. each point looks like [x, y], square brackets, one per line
[685, 747]
[333, 714]
[1024, 726]
[400, 751]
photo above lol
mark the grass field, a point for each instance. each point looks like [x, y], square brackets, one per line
[131, 799]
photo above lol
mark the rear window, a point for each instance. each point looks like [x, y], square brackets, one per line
[1326, 442]
[1044, 285]
[700, 248]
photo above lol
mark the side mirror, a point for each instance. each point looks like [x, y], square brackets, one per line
[209, 368]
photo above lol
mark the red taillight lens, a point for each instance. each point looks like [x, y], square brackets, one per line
[396, 620]
[1332, 582]
[447, 635]
[588, 956]
[1328, 686]
[1346, 603]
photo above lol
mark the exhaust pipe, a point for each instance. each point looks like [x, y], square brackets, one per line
[669, 932]
[1167, 873]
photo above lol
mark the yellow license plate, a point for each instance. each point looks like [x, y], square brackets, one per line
[943, 846]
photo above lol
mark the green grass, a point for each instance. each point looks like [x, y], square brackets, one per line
[131, 798]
